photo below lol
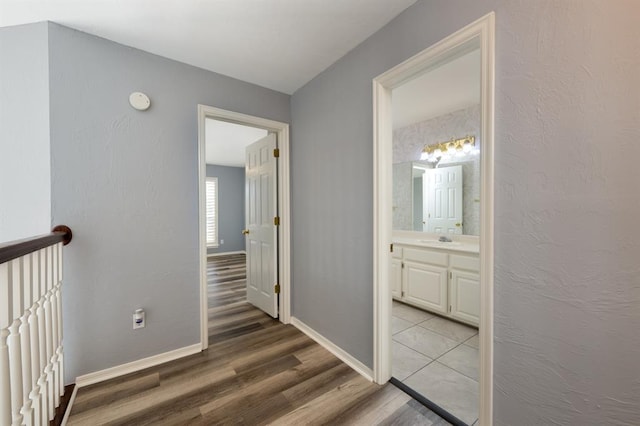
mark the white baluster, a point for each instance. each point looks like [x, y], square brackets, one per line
[15, 365]
[55, 380]
[60, 350]
[6, 318]
[25, 339]
[14, 343]
[49, 336]
[5, 379]
[58, 321]
[42, 363]
[35, 338]
[34, 395]
[42, 333]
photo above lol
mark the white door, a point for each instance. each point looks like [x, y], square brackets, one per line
[260, 228]
[444, 200]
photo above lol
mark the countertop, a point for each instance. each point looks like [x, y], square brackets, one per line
[460, 246]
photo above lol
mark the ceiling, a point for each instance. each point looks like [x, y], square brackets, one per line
[279, 44]
[226, 142]
[447, 88]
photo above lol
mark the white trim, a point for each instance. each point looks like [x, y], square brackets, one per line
[487, 218]
[137, 365]
[284, 230]
[340, 353]
[224, 253]
[482, 33]
[67, 413]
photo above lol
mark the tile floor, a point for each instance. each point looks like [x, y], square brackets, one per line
[437, 358]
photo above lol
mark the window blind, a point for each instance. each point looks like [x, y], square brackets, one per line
[212, 211]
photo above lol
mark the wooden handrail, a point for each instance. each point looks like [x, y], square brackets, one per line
[15, 249]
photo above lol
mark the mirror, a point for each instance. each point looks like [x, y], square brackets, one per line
[436, 175]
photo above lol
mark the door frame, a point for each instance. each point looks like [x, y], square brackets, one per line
[482, 31]
[284, 208]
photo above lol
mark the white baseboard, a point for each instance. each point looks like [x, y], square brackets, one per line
[132, 367]
[226, 253]
[344, 356]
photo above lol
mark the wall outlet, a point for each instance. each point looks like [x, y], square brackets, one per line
[221, 242]
[139, 319]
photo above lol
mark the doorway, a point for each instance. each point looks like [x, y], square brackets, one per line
[441, 278]
[282, 233]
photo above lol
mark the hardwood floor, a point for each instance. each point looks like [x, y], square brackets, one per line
[256, 371]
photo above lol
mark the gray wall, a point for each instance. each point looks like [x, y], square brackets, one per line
[567, 286]
[126, 182]
[25, 182]
[230, 207]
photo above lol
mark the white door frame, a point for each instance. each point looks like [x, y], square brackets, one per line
[482, 33]
[284, 230]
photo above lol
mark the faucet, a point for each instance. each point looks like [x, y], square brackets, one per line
[445, 239]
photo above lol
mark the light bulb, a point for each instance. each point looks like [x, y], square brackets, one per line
[424, 155]
[437, 152]
[466, 147]
[451, 148]
[459, 151]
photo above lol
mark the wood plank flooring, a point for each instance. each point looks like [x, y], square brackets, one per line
[256, 371]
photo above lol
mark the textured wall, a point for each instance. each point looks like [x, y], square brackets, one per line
[126, 182]
[567, 286]
[409, 141]
[25, 181]
[402, 204]
[230, 207]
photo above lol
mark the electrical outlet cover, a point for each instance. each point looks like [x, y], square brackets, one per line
[139, 323]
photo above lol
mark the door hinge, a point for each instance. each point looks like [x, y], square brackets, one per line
[391, 248]
[402, 293]
[276, 221]
[402, 265]
[276, 152]
[449, 308]
[450, 275]
[276, 288]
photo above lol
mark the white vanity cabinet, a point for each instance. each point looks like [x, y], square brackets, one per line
[464, 290]
[439, 281]
[424, 279]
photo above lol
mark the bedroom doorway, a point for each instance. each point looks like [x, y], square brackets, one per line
[212, 120]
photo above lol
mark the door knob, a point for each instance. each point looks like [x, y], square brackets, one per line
[245, 231]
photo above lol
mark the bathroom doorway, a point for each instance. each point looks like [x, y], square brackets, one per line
[433, 224]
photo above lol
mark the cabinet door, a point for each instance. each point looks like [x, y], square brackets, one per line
[426, 285]
[396, 278]
[465, 296]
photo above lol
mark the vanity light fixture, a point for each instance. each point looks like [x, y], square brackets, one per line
[454, 147]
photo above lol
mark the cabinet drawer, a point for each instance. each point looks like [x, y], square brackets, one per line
[470, 263]
[426, 256]
[397, 252]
